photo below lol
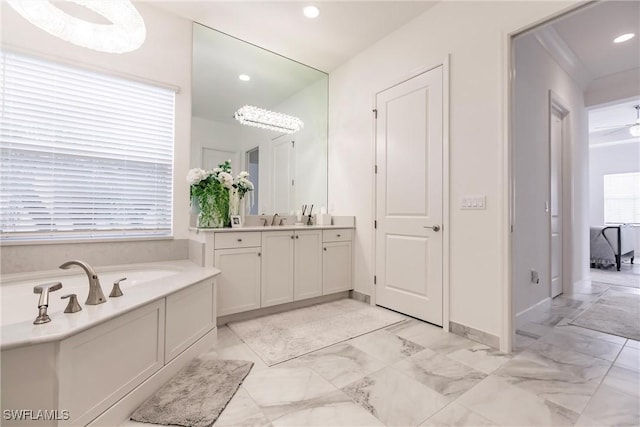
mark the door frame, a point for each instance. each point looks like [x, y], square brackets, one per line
[508, 174]
[556, 103]
[445, 178]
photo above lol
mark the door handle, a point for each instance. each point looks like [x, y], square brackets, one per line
[434, 228]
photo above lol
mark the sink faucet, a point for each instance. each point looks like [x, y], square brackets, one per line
[273, 219]
[95, 296]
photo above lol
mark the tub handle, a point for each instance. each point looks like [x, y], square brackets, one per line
[73, 306]
[116, 291]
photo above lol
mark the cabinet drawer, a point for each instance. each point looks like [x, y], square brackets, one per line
[340, 235]
[237, 240]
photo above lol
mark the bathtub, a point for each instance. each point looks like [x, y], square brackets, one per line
[94, 367]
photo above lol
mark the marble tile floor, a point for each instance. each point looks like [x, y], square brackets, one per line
[414, 374]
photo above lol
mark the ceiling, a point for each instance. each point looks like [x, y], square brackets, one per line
[343, 29]
[589, 34]
[611, 123]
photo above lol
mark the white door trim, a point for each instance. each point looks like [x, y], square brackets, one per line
[556, 103]
[508, 177]
[445, 180]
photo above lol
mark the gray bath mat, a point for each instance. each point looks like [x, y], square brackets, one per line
[196, 396]
[616, 313]
[279, 337]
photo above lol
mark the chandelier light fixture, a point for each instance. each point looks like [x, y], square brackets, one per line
[125, 33]
[265, 119]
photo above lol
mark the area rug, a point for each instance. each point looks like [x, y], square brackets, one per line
[616, 313]
[280, 337]
[196, 396]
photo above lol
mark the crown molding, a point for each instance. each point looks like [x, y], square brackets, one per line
[555, 45]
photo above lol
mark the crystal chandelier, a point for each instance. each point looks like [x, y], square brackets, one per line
[126, 31]
[265, 119]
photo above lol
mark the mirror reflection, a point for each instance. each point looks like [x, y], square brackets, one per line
[287, 169]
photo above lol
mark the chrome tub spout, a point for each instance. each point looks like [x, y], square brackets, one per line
[95, 296]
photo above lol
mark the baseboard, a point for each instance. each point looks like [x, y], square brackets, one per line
[522, 317]
[474, 334]
[359, 296]
[122, 409]
[238, 317]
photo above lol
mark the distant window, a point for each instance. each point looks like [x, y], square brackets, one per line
[82, 154]
[622, 198]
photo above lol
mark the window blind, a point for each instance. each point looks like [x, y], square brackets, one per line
[622, 198]
[82, 154]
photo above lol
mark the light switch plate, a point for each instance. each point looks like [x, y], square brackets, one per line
[473, 202]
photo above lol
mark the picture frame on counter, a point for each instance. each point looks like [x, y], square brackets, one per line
[236, 221]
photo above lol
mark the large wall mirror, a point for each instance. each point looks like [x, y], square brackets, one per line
[287, 169]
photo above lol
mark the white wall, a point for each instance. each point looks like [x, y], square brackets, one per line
[536, 74]
[609, 159]
[311, 148]
[473, 34]
[164, 57]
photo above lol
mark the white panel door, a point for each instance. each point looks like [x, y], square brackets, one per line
[277, 267]
[308, 264]
[409, 197]
[282, 167]
[556, 202]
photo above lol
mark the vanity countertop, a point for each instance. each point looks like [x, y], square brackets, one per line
[271, 228]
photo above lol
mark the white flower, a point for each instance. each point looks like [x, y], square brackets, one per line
[225, 179]
[217, 170]
[194, 176]
[243, 174]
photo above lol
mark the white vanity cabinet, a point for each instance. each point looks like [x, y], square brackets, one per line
[277, 267]
[238, 256]
[291, 266]
[336, 261]
[308, 264]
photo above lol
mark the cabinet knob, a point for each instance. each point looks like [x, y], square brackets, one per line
[239, 240]
[259, 253]
[291, 237]
[297, 237]
[337, 235]
[325, 249]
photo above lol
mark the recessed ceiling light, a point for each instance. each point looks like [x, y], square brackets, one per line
[311, 12]
[244, 77]
[623, 38]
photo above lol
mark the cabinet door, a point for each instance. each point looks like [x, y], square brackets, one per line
[336, 267]
[308, 264]
[239, 282]
[277, 267]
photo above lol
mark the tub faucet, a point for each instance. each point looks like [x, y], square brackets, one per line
[95, 296]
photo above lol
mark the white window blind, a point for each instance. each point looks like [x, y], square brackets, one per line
[82, 154]
[622, 198]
